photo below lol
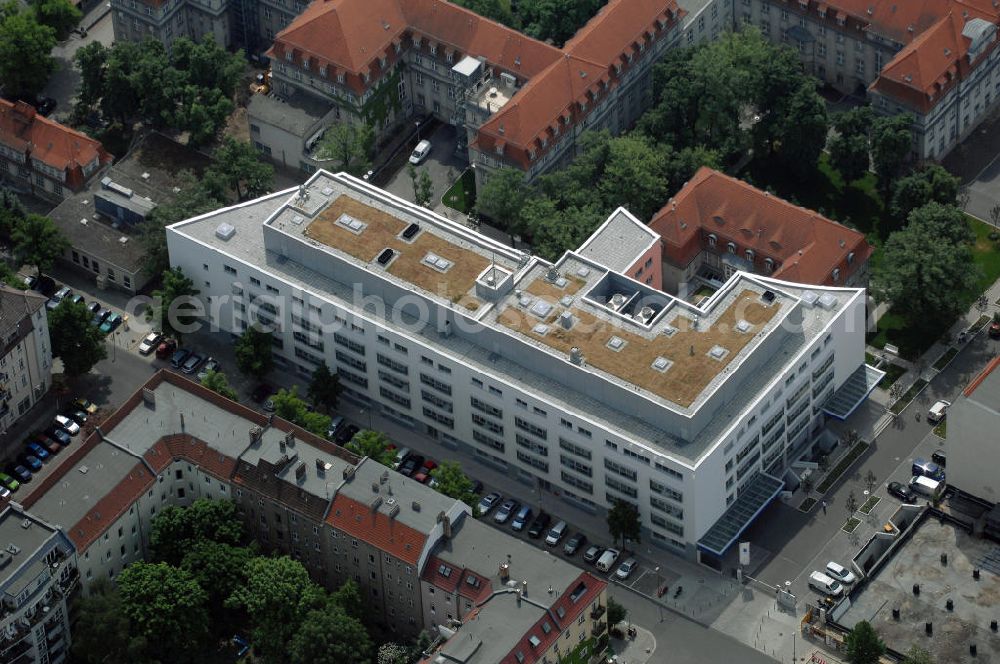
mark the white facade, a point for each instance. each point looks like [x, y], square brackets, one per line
[26, 363]
[973, 422]
[520, 406]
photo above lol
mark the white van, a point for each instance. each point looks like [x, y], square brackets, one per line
[925, 486]
[825, 584]
[556, 533]
[938, 411]
[420, 152]
[607, 559]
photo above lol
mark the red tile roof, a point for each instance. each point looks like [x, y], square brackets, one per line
[182, 446]
[350, 36]
[374, 527]
[805, 246]
[56, 145]
[571, 609]
[456, 580]
[108, 509]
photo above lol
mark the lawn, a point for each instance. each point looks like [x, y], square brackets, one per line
[846, 462]
[851, 524]
[462, 195]
[986, 256]
[892, 374]
[869, 505]
[945, 358]
[941, 430]
[807, 505]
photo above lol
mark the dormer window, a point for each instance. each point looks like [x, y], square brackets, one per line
[289, 55]
[398, 46]
[531, 155]
[731, 247]
[382, 61]
[340, 77]
[769, 264]
[322, 71]
[836, 274]
[449, 57]
[305, 62]
[712, 239]
[499, 148]
[749, 255]
[850, 258]
[434, 49]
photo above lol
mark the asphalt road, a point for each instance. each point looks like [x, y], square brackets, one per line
[64, 83]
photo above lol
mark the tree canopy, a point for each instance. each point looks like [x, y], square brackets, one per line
[101, 634]
[374, 444]
[623, 522]
[193, 197]
[927, 266]
[38, 241]
[545, 20]
[502, 198]
[349, 145]
[328, 635]
[863, 645]
[238, 165]
[930, 184]
[25, 53]
[78, 343]
[218, 383]
[891, 144]
[175, 310]
[452, 481]
[849, 147]
[290, 406]
[176, 529]
[253, 352]
[324, 388]
[60, 15]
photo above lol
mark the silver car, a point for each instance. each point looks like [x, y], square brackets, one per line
[67, 425]
[626, 568]
[506, 511]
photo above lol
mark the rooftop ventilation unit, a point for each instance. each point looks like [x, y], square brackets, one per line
[384, 257]
[576, 355]
[828, 301]
[661, 364]
[566, 319]
[411, 231]
[717, 352]
[298, 219]
[768, 297]
[351, 224]
[541, 308]
[616, 343]
[617, 301]
[436, 262]
[508, 79]
[583, 272]
[327, 191]
[225, 231]
[645, 315]
[743, 326]
[809, 297]
[541, 329]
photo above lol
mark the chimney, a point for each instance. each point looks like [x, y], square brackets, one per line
[504, 572]
[524, 588]
[445, 522]
[375, 504]
[281, 445]
[255, 434]
[290, 438]
[576, 355]
[320, 467]
[300, 472]
[348, 473]
[182, 422]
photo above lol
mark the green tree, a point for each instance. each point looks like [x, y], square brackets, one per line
[423, 186]
[849, 147]
[623, 522]
[374, 444]
[555, 20]
[927, 267]
[25, 54]
[11, 278]
[502, 198]
[91, 61]
[929, 184]
[175, 310]
[238, 165]
[38, 241]
[78, 343]
[208, 65]
[176, 529]
[863, 645]
[192, 198]
[892, 142]
[165, 606]
[453, 482]
[277, 597]
[349, 145]
[218, 383]
[393, 653]
[635, 175]
[101, 633]
[804, 130]
[616, 612]
[324, 388]
[553, 231]
[11, 212]
[330, 636]
[916, 655]
[60, 15]
[289, 406]
[348, 597]
[220, 569]
[253, 352]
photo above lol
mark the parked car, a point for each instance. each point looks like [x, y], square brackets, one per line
[901, 491]
[925, 486]
[626, 568]
[191, 363]
[4, 493]
[423, 474]
[9, 482]
[938, 411]
[57, 435]
[31, 461]
[995, 329]
[149, 343]
[45, 285]
[840, 573]
[539, 525]
[506, 510]
[556, 533]
[166, 349]
[211, 364]
[179, 357]
[410, 464]
[488, 502]
[335, 424]
[94, 307]
[67, 425]
[521, 519]
[401, 454]
[111, 323]
[86, 405]
[346, 434]
[35, 449]
[939, 457]
[77, 299]
[78, 416]
[607, 560]
[420, 152]
[51, 446]
[574, 544]
[592, 553]
[58, 297]
[927, 469]
[477, 486]
[824, 584]
[99, 316]
[22, 474]
[30, 281]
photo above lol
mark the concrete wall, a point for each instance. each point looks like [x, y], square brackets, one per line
[973, 453]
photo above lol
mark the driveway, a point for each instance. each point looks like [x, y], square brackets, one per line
[976, 161]
[443, 165]
[64, 83]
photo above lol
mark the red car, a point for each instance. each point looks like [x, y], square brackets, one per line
[995, 329]
[166, 349]
[423, 475]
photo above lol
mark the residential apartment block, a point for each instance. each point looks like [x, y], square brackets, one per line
[516, 102]
[37, 574]
[25, 354]
[343, 517]
[577, 376]
[44, 157]
[935, 59]
[168, 20]
[717, 225]
[972, 425]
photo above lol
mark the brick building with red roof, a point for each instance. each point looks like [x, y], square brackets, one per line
[930, 58]
[516, 102]
[43, 156]
[717, 224]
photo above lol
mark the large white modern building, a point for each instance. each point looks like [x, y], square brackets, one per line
[571, 375]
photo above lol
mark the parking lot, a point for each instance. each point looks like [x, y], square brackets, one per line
[442, 164]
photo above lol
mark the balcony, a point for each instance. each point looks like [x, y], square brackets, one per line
[597, 611]
[599, 629]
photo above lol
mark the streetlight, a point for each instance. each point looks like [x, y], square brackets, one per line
[659, 583]
[418, 130]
